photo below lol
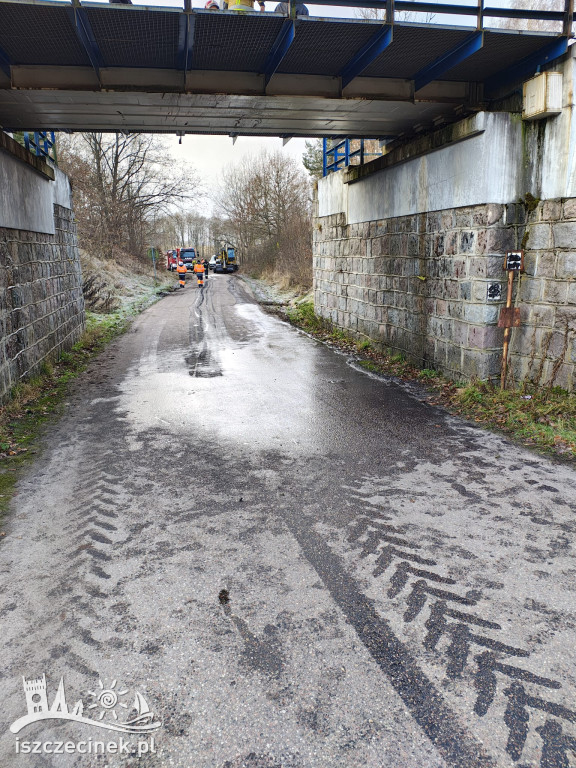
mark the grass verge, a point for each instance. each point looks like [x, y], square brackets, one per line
[34, 401]
[543, 418]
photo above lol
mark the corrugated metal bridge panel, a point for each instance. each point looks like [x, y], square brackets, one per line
[299, 116]
[499, 51]
[143, 39]
[32, 34]
[413, 48]
[325, 47]
[43, 33]
[234, 42]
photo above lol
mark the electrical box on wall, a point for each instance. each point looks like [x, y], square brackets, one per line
[542, 96]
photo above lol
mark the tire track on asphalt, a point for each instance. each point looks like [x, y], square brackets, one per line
[374, 537]
[458, 747]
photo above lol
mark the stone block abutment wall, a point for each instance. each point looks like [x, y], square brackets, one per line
[41, 302]
[420, 285]
[409, 250]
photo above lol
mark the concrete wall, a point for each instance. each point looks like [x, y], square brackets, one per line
[41, 302]
[405, 247]
[481, 167]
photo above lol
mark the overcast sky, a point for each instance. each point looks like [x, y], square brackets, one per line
[211, 154]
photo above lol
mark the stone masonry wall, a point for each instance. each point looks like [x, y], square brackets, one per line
[418, 285]
[41, 303]
[543, 349]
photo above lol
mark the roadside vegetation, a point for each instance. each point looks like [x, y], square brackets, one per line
[541, 417]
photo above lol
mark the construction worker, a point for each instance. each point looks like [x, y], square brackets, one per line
[243, 5]
[181, 269]
[199, 271]
[206, 270]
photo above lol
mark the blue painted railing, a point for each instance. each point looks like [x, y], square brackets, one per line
[42, 144]
[340, 155]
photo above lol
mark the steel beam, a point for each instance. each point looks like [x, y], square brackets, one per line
[186, 29]
[280, 48]
[527, 67]
[83, 29]
[448, 60]
[454, 10]
[5, 63]
[366, 55]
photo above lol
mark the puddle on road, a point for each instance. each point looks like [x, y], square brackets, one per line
[258, 391]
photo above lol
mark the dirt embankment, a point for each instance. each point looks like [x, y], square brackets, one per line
[113, 285]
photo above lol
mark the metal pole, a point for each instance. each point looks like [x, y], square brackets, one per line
[389, 17]
[507, 332]
[568, 18]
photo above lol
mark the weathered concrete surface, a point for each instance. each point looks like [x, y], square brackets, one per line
[490, 157]
[480, 169]
[397, 578]
[29, 189]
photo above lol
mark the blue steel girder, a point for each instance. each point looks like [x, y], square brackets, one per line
[83, 30]
[367, 54]
[450, 59]
[527, 67]
[186, 29]
[280, 48]
[5, 63]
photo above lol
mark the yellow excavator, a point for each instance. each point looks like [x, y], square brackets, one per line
[226, 260]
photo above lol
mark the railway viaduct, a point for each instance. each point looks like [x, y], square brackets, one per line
[408, 248]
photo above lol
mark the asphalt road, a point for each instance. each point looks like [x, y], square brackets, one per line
[295, 564]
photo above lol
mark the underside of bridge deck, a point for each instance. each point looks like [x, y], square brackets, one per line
[100, 67]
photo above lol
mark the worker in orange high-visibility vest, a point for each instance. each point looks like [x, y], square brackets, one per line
[199, 272]
[181, 269]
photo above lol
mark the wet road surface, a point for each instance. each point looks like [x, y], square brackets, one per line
[295, 564]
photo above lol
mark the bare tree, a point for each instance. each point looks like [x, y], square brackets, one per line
[496, 22]
[267, 202]
[532, 25]
[122, 185]
[371, 14]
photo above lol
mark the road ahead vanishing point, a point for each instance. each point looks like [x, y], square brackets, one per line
[280, 561]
